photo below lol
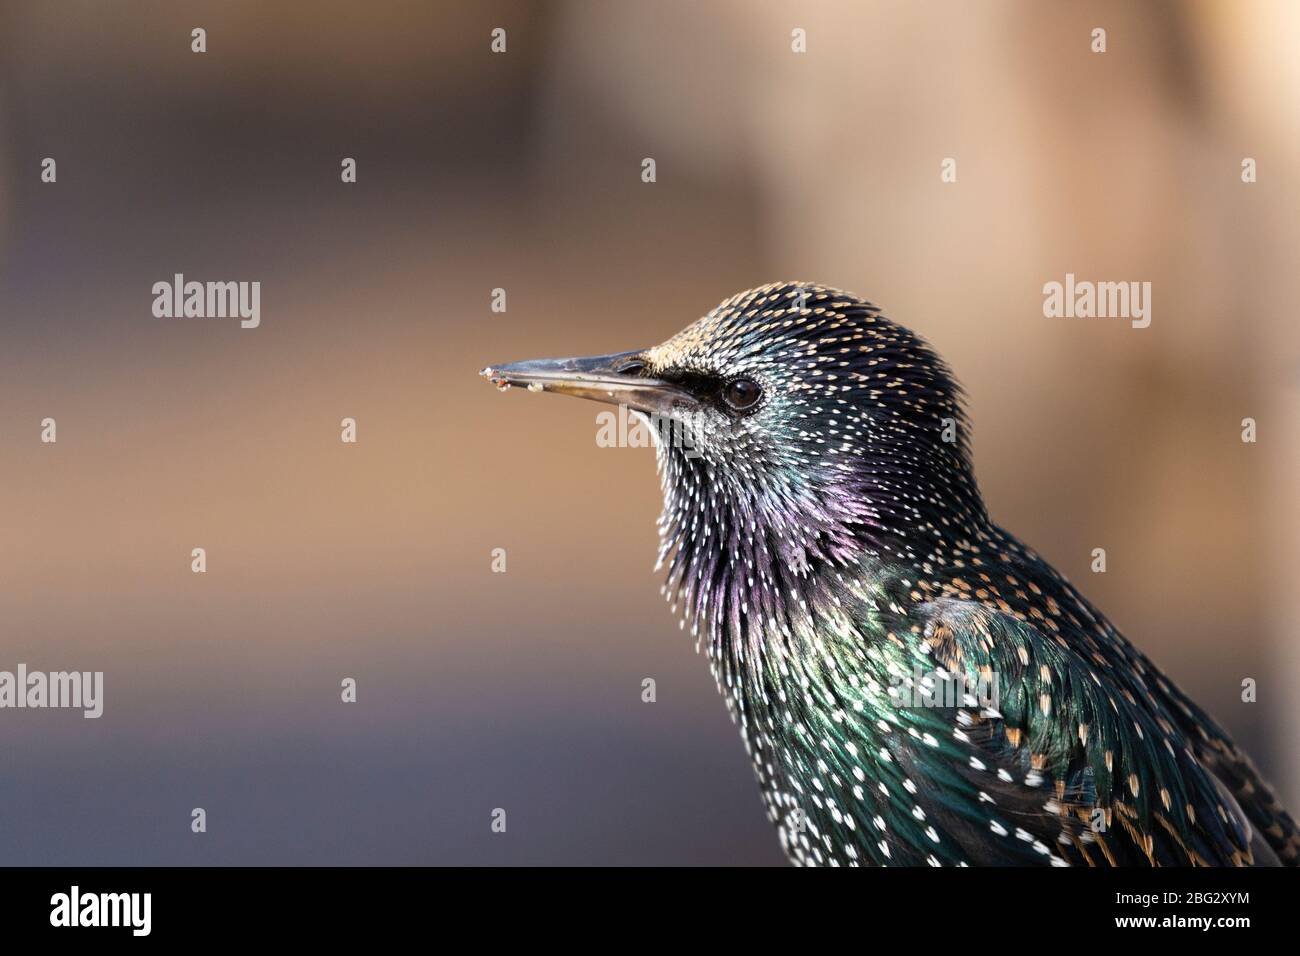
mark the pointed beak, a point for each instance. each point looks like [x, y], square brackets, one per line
[617, 379]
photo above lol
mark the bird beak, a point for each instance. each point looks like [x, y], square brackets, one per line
[596, 377]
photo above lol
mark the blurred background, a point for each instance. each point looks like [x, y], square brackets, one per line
[522, 171]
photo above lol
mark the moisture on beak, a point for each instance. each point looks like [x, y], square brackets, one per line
[617, 379]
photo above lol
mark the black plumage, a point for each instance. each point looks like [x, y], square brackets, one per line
[914, 685]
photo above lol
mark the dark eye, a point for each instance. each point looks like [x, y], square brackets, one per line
[742, 393]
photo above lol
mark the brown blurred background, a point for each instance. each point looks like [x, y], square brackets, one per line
[475, 171]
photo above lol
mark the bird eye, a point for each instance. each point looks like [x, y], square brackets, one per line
[742, 393]
[634, 367]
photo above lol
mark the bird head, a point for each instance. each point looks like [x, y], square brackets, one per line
[796, 413]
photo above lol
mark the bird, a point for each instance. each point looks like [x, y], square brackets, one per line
[913, 685]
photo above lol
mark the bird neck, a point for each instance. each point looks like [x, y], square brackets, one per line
[757, 571]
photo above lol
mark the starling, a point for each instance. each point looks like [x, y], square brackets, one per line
[913, 684]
